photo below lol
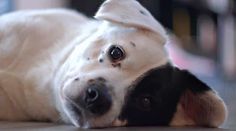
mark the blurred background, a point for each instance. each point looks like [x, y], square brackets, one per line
[202, 36]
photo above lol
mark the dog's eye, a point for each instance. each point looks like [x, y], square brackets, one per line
[145, 103]
[116, 53]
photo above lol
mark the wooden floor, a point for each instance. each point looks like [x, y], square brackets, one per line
[5, 126]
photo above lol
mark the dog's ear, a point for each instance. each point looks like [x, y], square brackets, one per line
[199, 104]
[130, 13]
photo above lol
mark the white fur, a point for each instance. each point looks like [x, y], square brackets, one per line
[42, 52]
[33, 46]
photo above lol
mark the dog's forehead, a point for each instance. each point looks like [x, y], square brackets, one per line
[133, 40]
[113, 32]
[142, 48]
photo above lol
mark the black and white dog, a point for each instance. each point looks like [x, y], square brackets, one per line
[60, 66]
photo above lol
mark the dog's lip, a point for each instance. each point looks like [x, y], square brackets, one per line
[76, 111]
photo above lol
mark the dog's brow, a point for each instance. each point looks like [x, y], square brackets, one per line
[98, 40]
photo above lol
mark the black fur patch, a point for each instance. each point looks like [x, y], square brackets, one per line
[152, 100]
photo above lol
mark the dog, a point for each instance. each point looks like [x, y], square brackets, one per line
[60, 66]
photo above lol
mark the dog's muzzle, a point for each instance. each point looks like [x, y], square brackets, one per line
[94, 100]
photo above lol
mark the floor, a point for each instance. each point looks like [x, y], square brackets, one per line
[47, 126]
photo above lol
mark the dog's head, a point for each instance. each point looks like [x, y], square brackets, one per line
[117, 77]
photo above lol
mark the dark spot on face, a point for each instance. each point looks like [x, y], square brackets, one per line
[101, 60]
[153, 98]
[98, 79]
[133, 44]
[91, 81]
[142, 12]
[101, 79]
[77, 79]
[88, 58]
[122, 23]
[116, 65]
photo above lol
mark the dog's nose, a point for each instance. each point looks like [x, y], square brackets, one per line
[97, 99]
[92, 95]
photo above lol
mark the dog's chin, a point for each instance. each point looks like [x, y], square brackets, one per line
[74, 113]
[78, 118]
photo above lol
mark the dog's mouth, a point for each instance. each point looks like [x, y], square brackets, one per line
[79, 118]
[76, 113]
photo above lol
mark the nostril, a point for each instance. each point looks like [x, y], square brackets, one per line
[92, 95]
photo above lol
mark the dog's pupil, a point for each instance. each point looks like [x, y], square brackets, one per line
[146, 102]
[116, 53]
[92, 93]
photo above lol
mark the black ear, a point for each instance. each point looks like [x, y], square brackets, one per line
[169, 96]
[198, 104]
